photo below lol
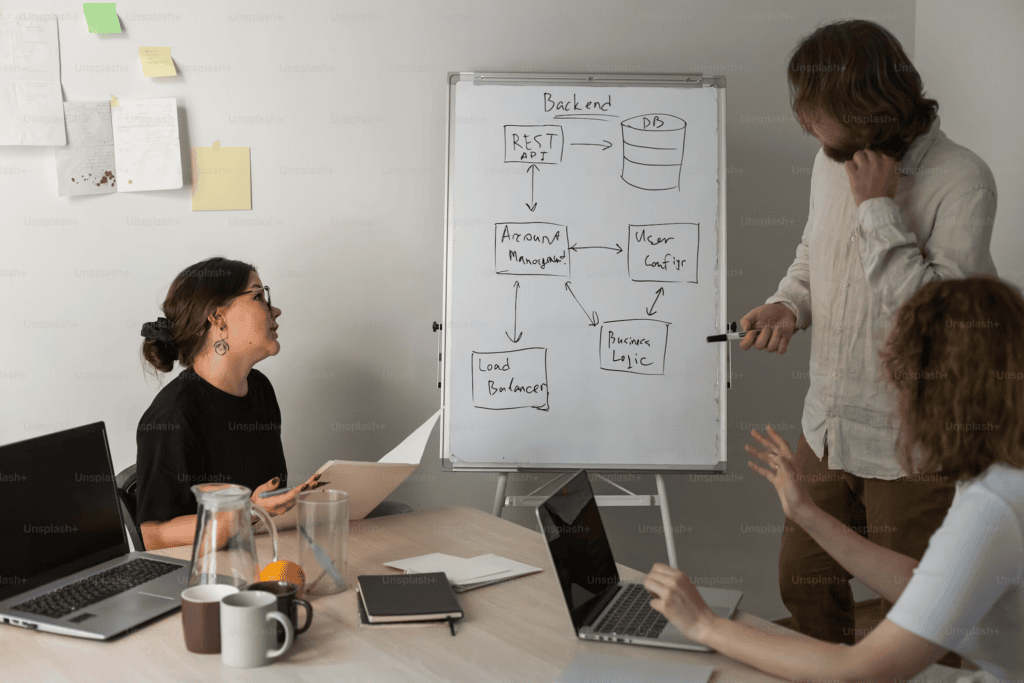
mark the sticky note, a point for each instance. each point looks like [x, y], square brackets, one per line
[221, 178]
[101, 17]
[156, 62]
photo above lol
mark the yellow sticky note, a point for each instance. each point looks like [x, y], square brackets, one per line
[221, 178]
[157, 62]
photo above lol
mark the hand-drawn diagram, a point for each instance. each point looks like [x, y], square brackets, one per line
[652, 154]
[531, 249]
[511, 379]
[652, 151]
[665, 252]
[636, 346]
[533, 144]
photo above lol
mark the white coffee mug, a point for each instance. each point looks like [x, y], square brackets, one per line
[247, 636]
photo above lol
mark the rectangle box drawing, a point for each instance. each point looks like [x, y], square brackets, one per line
[664, 252]
[636, 346]
[531, 249]
[503, 380]
[533, 144]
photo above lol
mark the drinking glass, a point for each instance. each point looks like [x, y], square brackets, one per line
[323, 539]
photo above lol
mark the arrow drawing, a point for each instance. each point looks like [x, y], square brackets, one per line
[593, 320]
[651, 311]
[532, 171]
[604, 145]
[515, 337]
[617, 249]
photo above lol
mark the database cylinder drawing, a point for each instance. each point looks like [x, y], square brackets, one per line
[652, 151]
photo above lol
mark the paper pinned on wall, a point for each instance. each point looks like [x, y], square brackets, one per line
[221, 178]
[146, 147]
[31, 104]
[157, 62]
[101, 17]
[86, 164]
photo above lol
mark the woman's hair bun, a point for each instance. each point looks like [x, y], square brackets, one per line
[159, 354]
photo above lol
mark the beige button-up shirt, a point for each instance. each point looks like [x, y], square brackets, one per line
[862, 263]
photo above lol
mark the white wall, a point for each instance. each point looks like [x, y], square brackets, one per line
[343, 105]
[971, 58]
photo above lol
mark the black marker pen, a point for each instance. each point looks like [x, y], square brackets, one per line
[731, 336]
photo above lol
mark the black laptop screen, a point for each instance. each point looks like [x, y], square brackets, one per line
[583, 559]
[61, 509]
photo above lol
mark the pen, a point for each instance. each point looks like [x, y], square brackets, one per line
[731, 336]
[277, 492]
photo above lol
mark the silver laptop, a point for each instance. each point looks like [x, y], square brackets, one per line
[603, 607]
[62, 528]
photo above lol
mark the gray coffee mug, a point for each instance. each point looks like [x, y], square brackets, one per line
[247, 638]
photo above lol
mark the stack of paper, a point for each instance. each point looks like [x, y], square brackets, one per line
[465, 573]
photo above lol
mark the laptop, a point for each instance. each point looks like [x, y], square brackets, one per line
[602, 606]
[64, 528]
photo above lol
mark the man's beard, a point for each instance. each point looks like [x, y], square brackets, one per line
[843, 153]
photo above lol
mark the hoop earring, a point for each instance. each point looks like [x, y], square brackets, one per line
[220, 347]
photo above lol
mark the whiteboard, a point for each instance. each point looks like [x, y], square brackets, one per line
[584, 270]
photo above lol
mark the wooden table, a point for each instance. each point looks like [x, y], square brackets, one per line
[517, 631]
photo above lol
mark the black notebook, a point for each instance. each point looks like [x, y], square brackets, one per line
[408, 597]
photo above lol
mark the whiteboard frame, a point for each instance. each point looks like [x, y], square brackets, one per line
[681, 80]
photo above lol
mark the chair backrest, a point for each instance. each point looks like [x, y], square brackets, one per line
[127, 485]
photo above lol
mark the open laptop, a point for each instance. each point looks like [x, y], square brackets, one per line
[62, 526]
[602, 606]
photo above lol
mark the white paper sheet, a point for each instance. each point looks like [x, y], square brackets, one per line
[31, 105]
[367, 483]
[146, 146]
[411, 450]
[465, 573]
[86, 164]
[457, 569]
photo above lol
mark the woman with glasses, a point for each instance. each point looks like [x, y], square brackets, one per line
[218, 420]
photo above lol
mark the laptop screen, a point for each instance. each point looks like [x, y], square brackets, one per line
[583, 559]
[61, 509]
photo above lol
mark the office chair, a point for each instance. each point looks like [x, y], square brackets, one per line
[127, 485]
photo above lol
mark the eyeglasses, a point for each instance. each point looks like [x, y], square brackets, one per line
[265, 289]
[269, 305]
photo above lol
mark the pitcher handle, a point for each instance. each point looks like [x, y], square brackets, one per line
[268, 520]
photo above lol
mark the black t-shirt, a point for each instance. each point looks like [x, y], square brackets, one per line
[194, 433]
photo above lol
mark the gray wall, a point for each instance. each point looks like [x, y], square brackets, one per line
[343, 105]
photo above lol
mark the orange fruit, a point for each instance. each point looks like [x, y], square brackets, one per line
[284, 570]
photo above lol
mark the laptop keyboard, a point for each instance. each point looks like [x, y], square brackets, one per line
[633, 615]
[91, 590]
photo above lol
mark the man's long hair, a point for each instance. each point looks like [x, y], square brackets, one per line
[857, 73]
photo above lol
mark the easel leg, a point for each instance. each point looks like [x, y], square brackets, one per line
[666, 521]
[499, 495]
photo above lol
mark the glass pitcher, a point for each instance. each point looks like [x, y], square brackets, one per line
[224, 548]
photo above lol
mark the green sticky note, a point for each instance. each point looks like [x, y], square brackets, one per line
[101, 17]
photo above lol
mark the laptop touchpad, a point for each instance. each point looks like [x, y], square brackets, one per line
[128, 603]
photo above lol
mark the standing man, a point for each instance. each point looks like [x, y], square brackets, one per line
[894, 205]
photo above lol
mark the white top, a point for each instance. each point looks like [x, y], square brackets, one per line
[862, 263]
[967, 594]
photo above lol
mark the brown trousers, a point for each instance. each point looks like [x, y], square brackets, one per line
[897, 514]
